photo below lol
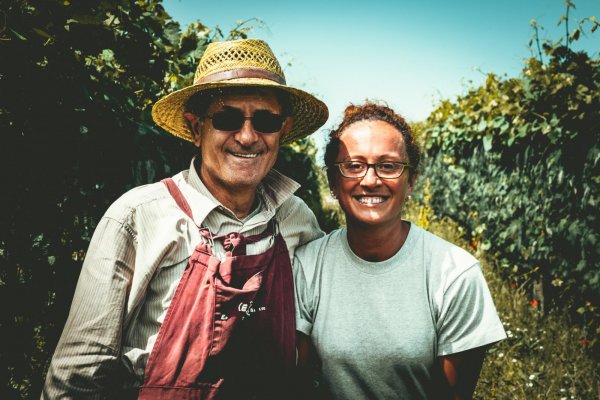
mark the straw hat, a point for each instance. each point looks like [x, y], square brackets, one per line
[240, 63]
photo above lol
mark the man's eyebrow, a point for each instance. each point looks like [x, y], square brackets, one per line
[226, 107]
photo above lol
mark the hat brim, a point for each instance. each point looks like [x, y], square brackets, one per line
[308, 112]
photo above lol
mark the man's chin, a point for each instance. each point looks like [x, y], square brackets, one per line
[245, 173]
[244, 182]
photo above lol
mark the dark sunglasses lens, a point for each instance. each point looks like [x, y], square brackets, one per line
[228, 120]
[266, 122]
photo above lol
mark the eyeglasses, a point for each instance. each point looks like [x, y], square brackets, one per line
[384, 170]
[232, 119]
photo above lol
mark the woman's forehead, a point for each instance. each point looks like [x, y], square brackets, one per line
[371, 138]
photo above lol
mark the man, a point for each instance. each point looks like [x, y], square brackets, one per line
[186, 290]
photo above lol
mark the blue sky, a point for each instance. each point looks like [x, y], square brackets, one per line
[410, 54]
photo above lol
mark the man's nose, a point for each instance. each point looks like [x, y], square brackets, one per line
[246, 136]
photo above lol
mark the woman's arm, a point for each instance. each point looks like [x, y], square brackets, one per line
[462, 371]
[303, 345]
[308, 367]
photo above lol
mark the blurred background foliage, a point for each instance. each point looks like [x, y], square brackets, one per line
[77, 81]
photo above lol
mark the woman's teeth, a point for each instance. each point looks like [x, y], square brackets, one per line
[370, 199]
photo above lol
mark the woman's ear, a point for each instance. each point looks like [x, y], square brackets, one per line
[333, 190]
[195, 126]
[411, 184]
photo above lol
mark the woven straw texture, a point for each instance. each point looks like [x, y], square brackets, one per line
[237, 54]
[308, 112]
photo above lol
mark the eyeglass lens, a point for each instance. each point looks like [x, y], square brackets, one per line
[232, 119]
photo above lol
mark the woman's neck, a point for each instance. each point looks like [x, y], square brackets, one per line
[377, 243]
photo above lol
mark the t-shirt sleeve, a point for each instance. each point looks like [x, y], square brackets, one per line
[468, 317]
[304, 296]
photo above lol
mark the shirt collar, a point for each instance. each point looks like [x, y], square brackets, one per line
[274, 189]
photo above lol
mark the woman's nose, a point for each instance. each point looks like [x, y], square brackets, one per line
[370, 178]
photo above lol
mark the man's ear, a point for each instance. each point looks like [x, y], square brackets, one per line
[195, 126]
[287, 126]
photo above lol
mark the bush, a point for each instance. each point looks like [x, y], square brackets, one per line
[516, 161]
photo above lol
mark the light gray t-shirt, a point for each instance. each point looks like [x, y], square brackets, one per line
[379, 326]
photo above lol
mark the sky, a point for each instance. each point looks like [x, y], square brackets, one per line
[410, 54]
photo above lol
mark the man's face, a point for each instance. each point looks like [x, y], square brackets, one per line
[235, 161]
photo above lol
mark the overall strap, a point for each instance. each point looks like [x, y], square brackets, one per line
[231, 240]
[235, 242]
[178, 197]
[269, 231]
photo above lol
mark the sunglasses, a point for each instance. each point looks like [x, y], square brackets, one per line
[232, 119]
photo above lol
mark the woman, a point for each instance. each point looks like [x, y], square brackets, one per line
[391, 311]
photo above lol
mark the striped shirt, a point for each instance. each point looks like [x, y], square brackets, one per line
[136, 257]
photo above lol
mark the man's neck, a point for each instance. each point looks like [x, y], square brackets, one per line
[240, 200]
[240, 203]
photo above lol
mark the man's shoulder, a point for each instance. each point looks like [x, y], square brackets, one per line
[136, 200]
[292, 205]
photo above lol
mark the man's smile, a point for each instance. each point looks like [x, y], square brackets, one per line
[244, 155]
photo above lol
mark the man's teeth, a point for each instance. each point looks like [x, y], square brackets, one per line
[252, 155]
[370, 199]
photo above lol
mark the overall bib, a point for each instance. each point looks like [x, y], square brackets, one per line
[229, 332]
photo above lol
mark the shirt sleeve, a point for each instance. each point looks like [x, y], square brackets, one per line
[298, 224]
[87, 356]
[468, 317]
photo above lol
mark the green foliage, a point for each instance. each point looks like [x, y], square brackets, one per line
[77, 80]
[517, 162]
[297, 160]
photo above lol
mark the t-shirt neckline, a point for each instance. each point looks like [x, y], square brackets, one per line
[381, 267]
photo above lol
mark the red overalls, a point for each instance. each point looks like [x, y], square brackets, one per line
[229, 332]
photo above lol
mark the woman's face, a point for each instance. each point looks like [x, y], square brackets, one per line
[371, 200]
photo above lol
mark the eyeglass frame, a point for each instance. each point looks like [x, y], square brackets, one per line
[374, 166]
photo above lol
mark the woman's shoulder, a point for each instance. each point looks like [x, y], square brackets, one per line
[450, 258]
[439, 245]
[310, 252]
